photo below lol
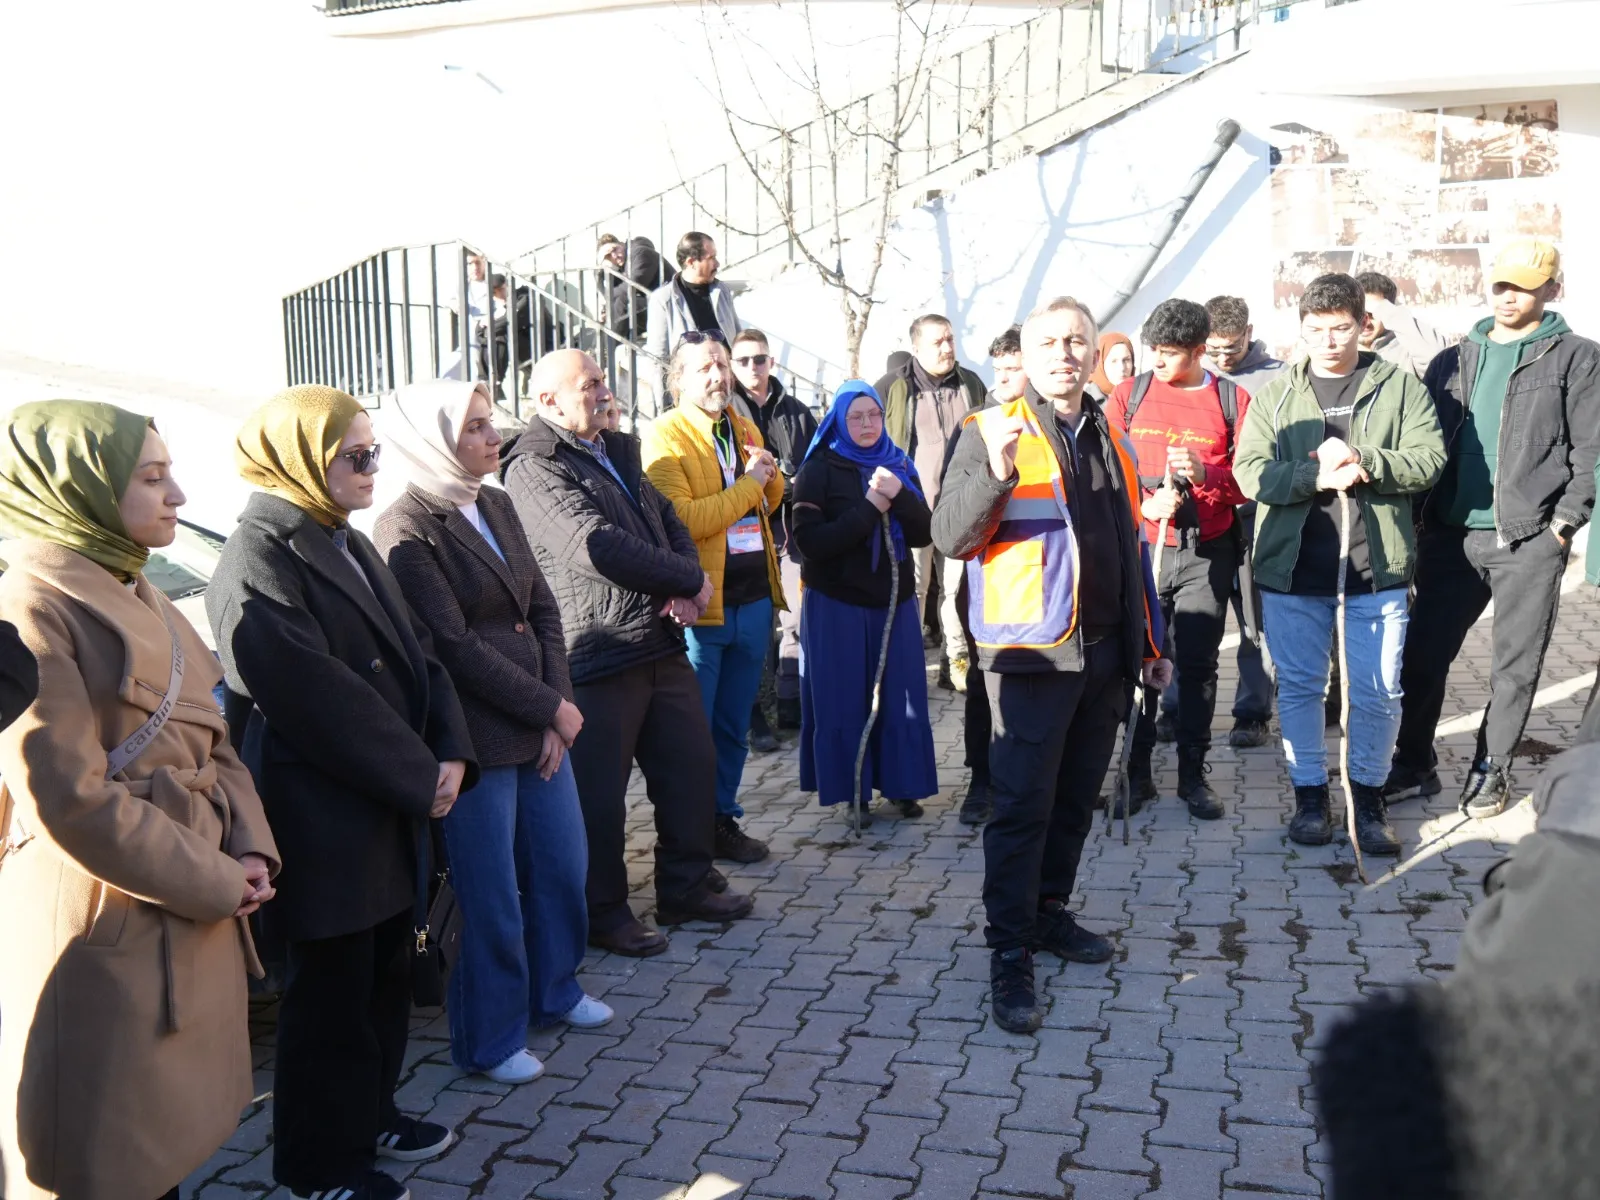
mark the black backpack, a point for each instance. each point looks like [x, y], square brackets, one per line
[1227, 394]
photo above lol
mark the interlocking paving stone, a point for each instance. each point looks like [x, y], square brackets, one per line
[839, 1045]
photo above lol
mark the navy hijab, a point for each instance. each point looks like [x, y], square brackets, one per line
[834, 434]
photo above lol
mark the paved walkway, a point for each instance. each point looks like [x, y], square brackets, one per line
[838, 1043]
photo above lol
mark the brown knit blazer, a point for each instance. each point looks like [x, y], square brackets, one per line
[495, 624]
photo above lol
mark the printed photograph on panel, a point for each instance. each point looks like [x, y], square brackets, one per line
[1379, 208]
[1295, 271]
[1301, 201]
[1430, 278]
[1500, 141]
[1396, 140]
[1300, 145]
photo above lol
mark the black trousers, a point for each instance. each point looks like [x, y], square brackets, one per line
[342, 1026]
[1196, 588]
[1458, 572]
[651, 713]
[976, 728]
[1053, 736]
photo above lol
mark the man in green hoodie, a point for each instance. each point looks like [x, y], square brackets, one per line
[1519, 402]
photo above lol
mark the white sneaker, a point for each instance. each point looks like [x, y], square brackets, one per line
[521, 1067]
[588, 1013]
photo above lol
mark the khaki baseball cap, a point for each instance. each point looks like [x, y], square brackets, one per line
[1526, 263]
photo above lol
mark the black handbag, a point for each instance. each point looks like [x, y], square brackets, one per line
[437, 926]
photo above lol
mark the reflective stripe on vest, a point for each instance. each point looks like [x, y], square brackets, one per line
[1023, 587]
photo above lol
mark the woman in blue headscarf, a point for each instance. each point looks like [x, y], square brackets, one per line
[858, 507]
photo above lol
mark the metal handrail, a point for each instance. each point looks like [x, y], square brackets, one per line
[978, 99]
[412, 313]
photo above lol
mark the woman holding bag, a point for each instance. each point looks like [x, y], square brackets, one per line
[518, 854]
[853, 483]
[355, 737]
[135, 844]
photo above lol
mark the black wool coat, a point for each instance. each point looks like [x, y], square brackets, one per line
[340, 709]
[495, 622]
[614, 553]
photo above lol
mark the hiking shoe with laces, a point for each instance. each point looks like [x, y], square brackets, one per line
[1408, 783]
[1141, 785]
[977, 807]
[1204, 805]
[1248, 733]
[735, 844]
[1488, 789]
[1058, 931]
[1312, 823]
[412, 1140]
[1011, 995]
[1374, 834]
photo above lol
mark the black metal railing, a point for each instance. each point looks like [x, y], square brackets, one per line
[344, 8]
[448, 311]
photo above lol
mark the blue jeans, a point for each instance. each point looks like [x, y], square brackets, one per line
[1299, 633]
[518, 860]
[728, 660]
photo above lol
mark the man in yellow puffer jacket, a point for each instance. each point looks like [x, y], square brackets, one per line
[711, 464]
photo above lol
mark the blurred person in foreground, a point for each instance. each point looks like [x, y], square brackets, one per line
[135, 845]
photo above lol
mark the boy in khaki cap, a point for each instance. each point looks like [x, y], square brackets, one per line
[1519, 402]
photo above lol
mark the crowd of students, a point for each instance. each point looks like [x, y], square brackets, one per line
[472, 686]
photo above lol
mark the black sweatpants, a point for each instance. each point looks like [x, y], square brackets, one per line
[1458, 572]
[342, 1026]
[1053, 736]
[1196, 586]
[652, 713]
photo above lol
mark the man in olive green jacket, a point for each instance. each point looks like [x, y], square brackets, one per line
[1332, 451]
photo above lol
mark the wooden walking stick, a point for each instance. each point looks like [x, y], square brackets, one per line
[1344, 686]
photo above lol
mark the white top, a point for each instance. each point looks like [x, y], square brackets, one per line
[475, 519]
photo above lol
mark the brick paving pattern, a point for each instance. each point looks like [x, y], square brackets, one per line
[838, 1044]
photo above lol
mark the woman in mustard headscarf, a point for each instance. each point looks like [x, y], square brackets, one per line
[356, 738]
[135, 843]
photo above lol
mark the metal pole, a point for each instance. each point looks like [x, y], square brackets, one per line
[388, 326]
[989, 105]
[465, 318]
[288, 343]
[433, 310]
[405, 315]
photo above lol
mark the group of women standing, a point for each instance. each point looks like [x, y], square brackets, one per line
[367, 691]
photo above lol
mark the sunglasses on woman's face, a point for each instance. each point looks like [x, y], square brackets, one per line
[364, 460]
[695, 336]
[753, 360]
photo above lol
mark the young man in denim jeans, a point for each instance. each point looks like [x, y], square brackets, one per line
[1341, 422]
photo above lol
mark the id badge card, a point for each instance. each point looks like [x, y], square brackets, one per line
[744, 535]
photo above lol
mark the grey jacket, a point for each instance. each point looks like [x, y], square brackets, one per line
[668, 319]
[1549, 431]
[1407, 341]
[1258, 369]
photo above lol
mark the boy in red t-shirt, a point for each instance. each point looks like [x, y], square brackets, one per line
[1181, 430]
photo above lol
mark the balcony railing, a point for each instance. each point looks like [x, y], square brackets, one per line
[345, 8]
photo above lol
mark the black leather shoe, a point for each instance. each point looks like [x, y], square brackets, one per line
[1312, 823]
[1141, 785]
[703, 904]
[1408, 783]
[735, 844]
[909, 809]
[761, 738]
[977, 807]
[1374, 834]
[1059, 933]
[632, 940]
[1248, 733]
[1488, 789]
[1193, 789]
[1011, 995]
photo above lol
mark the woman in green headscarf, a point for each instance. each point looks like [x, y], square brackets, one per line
[136, 841]
[356, 738]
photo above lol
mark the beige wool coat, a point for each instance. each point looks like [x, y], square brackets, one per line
[124, 1053]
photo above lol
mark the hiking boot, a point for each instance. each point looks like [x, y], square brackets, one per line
[1166, 728]
[1058, 931]
[715, 880]
[1192, 787]
[1141, 784]
[702, 904]
[1312, 823]
[735, 844]
[959, 666]
[977, 807]
[1374, 834]
[1408, 783]
[761, 738]
[1011, 995]
[788, 714]
[1488, 789]
[1248, 733]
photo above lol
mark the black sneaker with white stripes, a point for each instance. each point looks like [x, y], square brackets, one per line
[376, 1186]
[412, 1140]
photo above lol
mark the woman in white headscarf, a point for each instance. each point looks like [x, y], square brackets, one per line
[465, 566]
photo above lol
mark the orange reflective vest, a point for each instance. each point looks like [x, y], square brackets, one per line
[1022, 587]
